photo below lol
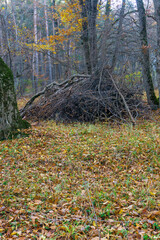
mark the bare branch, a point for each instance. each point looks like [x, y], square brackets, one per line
[125, 103]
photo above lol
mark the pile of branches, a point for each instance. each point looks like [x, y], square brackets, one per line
[85, 98]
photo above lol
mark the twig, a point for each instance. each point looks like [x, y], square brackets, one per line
[125, 103]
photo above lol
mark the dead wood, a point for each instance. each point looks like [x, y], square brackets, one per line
[56, 86]
[86, 98]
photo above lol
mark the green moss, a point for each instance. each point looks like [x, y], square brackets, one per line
[9, 104]
[5, 69]
[155, 100]
[23, 124]
[14, 131]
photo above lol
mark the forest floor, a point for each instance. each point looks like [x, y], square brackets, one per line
[81, 181]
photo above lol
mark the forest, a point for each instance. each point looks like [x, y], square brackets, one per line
[79, 119]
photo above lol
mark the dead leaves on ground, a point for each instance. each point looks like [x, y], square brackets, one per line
[81, 182]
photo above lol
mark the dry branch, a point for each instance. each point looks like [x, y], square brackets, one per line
[125, 103]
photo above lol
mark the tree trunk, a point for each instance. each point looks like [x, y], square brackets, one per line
[16, 59]
[108, 8]
[4, 24]
[104, 36]
[55, 21]
[10, 119]
[85, 36]
[35, 59]
[117, 44]
[1, 38]
[47, 35]
[57, 73]
[157, 15]
[147, 78]
[92, 16]
[89, 36]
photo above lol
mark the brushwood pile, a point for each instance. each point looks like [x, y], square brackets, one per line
[86, 98]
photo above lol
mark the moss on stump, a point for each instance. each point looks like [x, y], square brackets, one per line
[10, 119]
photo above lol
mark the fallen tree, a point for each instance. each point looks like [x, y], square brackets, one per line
[85, 98]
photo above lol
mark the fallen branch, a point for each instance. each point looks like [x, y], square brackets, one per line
[22, 111]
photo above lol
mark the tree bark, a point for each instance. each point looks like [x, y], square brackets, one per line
[92, 16]
[10, 119]
[147, 78]
[89, 12]
[157, 15]
[117, 44]
[85, 36]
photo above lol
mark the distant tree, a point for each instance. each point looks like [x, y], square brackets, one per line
[108, 8]
[35, 53]
[47, 36]
[10, 119]
[147, 78]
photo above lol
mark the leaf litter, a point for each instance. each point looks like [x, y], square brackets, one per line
[81, 181]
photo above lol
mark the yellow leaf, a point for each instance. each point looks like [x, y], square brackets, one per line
[152, 193]
[94, 224]
[121, 211]
[14, 233]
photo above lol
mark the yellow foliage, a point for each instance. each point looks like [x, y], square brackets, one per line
[70, 25]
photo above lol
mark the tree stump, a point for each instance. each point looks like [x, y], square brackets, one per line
[10, 119]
